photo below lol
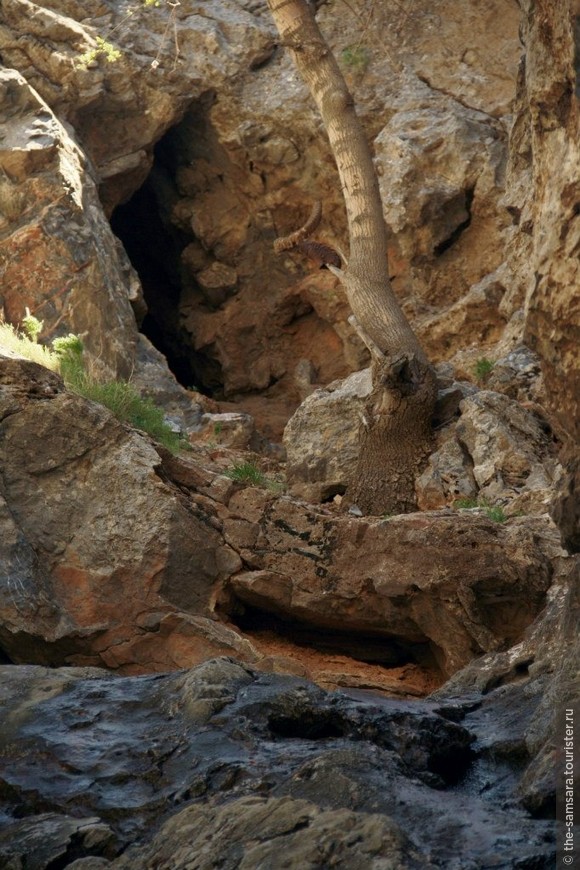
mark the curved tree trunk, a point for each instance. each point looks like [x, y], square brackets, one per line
[396, 428]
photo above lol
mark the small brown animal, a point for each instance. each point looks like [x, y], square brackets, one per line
[323, 255]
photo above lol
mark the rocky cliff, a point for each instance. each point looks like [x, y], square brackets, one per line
[200, 670]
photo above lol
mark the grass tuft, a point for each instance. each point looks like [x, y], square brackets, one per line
[465, 503]
[128, 406]
[496, 514]
[482, 369]
[246, 472]
[493, 512]
[249, 473]
[15, 342]
[120, 397]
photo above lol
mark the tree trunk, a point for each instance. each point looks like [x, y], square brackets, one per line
[396, 428]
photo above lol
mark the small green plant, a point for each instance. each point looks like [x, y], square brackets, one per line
[217, 429]
[496, 514]
[103, 49]
[483, 368]
[246, 472]
[493, 512]
[356, 57]
[69, 350]
[31, 326]
[465, 503]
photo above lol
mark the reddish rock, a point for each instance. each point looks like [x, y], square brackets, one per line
[97, 541]
[418, 579]
[118, 554]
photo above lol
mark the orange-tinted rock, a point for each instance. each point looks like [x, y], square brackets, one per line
[97, 537]
[417, 579]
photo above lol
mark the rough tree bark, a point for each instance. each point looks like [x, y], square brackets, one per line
[396, 430]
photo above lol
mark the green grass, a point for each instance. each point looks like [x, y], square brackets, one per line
[249, 473]
[66, 358]
[482, 369]
[493, 512]
[246, 472]
[15, 342]
[128, 406]
[465, 503]
[496, 514]
[356, 57]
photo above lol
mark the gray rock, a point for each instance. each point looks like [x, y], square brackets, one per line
[153, 379]
[220, 761]
[321, 439]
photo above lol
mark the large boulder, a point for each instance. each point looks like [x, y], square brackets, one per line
[322, 438]
[98, 548]
[497, 453]
[428, 582]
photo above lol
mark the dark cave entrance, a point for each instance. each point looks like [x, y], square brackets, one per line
[154, 246]
[367, 647]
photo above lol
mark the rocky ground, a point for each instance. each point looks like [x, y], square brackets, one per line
[198, 671]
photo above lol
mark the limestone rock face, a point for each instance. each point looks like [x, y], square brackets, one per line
[321, 438]
[505, 464]
[545, 242]
[117, 554]
[245, 157]
[120, 109]
[543, 247]
[59, 256]
[263, 176]
[441, 168]
[497, 452]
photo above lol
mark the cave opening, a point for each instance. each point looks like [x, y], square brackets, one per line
[154, 245]
[364, 646]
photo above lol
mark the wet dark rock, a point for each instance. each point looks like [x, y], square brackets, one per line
[54, 840]
[176, 756]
